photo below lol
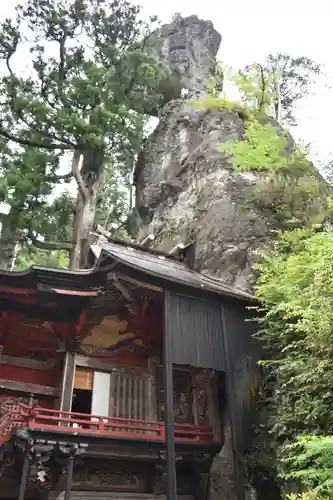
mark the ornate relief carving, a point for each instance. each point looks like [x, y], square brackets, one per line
[201, 382]
[15, 405]
[102, 476]
[202, 404]
[182, 396]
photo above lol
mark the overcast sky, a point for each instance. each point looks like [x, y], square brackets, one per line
[251, 29]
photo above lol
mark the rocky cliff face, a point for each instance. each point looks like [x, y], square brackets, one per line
[185, 187]
[185, 190]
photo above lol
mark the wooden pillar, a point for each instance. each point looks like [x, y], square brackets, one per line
[231, 386]
[69, 477]
[67, 383]
[171, 485]
[24, 475]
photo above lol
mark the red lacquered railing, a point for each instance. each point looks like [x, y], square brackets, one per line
[113, 427]
[82, 423]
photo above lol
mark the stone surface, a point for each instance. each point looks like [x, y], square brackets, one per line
[186, 189]
[187, 47]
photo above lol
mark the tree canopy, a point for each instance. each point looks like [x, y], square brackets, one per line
[86, 90]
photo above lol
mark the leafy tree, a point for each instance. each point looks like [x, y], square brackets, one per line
[295, 290]
[277, 85]
[28, 256]
[310, 461]
[26, 182]
[88, 86]
[114, 200]
[288, 189]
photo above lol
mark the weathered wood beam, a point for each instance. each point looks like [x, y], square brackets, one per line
[28, 363]
[11, 385]
[98, 364]
[147, 240]
[140, 283]
[117, 284]
[232, 386]
[177, 249]
[67, 384]
[69, 477]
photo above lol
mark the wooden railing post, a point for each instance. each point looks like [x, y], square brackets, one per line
[101, 426]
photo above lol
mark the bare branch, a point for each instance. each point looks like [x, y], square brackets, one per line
[77, 175]
[57, 178]
[31, 143]
[47, 245]
[263, 88]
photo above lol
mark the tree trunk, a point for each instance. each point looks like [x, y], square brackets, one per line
[9, 238]
[277, 99]
[89, 180]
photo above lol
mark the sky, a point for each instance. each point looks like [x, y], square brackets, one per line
[251, 29]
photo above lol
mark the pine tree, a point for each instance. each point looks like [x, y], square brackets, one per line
[88, 86]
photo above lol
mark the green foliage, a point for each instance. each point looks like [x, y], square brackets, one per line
[89, 94]
[254, 87]
[271, 88]
[275, 86]
[87, 87]
[263, 148]
[29, 256]
[295, 290]
[287, 200]
[210, 102]
[114, 202]
[310, 459]
[287, 190]
[309, 495]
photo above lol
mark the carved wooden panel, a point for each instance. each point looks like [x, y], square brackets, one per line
[182, 396]
[202, 394]
[108, 476]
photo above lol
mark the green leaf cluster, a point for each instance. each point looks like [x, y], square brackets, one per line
[88, 86]
[288, 189]
[295, 289]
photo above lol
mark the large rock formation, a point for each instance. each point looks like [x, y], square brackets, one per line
[187, 47]
[185, 189]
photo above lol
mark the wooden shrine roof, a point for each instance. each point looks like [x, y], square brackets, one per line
[167, 269]
[62, 281]
[159, 267]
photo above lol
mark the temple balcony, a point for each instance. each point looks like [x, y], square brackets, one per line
[21, 416]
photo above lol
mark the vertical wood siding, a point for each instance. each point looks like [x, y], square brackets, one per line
[194, 327]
